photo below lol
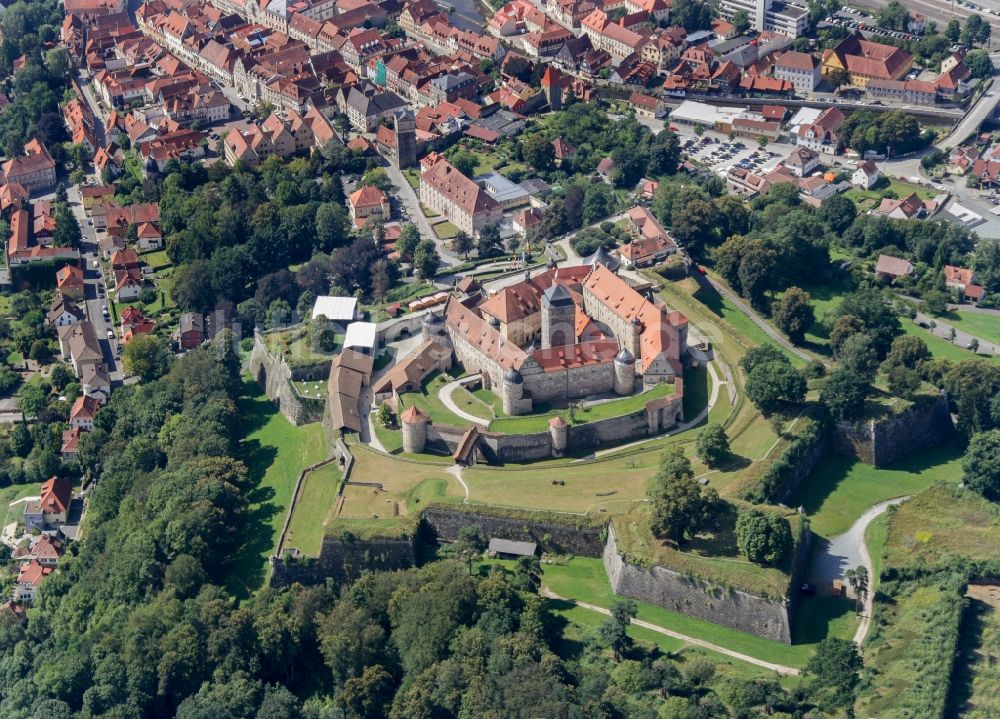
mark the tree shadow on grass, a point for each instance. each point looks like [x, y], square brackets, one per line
[967, 655]
[247, 571]
[255, 412]
[814, 617]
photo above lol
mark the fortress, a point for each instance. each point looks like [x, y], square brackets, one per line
[564, 334]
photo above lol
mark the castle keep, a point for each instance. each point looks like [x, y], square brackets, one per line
[564, 334]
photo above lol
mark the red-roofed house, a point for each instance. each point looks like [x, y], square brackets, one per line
[963, 280]
[367, 202]
[50, 510]
[889, 267]
[29, 577]
[650, 242]
[69, 281]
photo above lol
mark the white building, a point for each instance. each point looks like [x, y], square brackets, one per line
[866, 175]
[780, 17]
[799, 68]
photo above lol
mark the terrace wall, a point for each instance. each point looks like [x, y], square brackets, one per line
[697, 598]
[275, 375]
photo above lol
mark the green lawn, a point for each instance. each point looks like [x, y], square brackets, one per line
[841, 489]
[613, 408]
[584, 579]
[872, 198]
[391, 439]
[313, 509]
[875, 538]
[713, 307]
[975, 323]
[158, 260]
[446, 230]
[412, 178]
[428, 402]
[941, 348]
[12, 494]
[275, 452]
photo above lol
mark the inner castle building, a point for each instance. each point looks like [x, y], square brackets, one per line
[564, 334]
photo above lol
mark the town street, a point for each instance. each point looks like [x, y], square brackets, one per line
[96, 296]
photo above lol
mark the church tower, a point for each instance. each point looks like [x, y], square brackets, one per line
[552, 88]
[406, 139]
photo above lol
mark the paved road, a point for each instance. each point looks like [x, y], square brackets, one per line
[973, 118]
[694, 641]
[407, 198]
[746, 309]
[446, 398]
[942, 328]
[94, 293]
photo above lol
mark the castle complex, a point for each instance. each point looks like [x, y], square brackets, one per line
[564, 334]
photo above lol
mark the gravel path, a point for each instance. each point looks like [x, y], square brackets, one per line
[693, 641]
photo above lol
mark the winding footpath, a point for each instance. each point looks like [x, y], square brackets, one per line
[445, 395]
[693, 641]
[845, 551]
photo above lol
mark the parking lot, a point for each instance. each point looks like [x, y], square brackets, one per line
[720, 153]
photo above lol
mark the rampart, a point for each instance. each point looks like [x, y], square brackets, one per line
[275, 375]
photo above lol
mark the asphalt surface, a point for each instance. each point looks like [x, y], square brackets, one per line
[95, 295]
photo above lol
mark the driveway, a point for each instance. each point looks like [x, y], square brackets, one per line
[407, 197]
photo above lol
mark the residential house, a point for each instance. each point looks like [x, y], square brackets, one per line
[908, 208]
[63, 312]
[527, 222]
[25, 245]
[911, 92]
[79, 345]
[51, 509]
[191, 330]
[823, 135]
[746, 183]
[69, 282]
[963, 280]
[890, 268]
[650, 242]
[29, 577]
[865, 175]
[70, 443]
[801, 161]
[647, 105]
[368, 202]
[83, 413]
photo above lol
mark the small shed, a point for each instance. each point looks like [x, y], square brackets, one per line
[509, 549]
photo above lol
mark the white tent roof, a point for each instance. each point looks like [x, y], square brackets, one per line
[336, 309]
[360, 334]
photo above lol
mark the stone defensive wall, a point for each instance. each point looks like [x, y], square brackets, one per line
[699, 598]
[659, 415]
[273, 372]
[882, 441]
[343, 559]
[553, 532]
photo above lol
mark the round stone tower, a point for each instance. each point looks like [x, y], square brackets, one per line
[624, 373]
[558, 317]
[431, 327]
[414, 424]
[512, 391]
[559, 433]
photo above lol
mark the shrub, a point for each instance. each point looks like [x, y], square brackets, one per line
[763, 537]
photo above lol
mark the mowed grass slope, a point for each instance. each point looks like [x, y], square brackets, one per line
[275, 452]
[314, 509]
[840, 489]
[584, 579]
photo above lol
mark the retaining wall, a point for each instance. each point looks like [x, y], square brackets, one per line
[443, 524]
[697, 598]
[883, 441]
[343, 559]
[274, 374]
